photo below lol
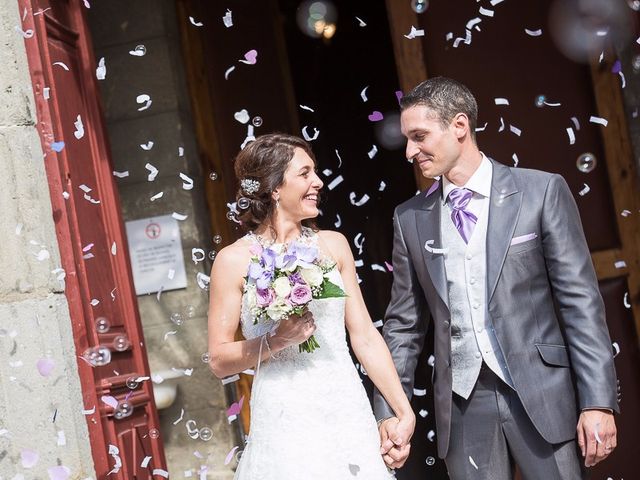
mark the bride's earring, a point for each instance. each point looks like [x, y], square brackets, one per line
[278, 201]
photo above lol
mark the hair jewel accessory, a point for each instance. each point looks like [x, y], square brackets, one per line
[249, 186]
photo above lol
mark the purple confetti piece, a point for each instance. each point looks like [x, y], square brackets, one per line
[376, 116]
[29, 458]
[616, 67]
[235, 408]
[59, 473]
[45, 366]
[109, 400]
[57, 146]
[227, 460]
[399, 95]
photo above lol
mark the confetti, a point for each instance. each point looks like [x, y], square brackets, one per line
[572, 136]
[194, 23]
[109, 400]
[335, 182]
[372, 153]
[327, 172]
[62, 439]
[376, 116]
[114, 248]
[29, 458]
[179, 419]
[121, 174]
[584, 190]
[419, 392]
[361, 22]
[358, 241]
[235, 407]
[79, 132]
[89, 411]
[414, 33]
[166, 335]
[143, 99]
[160, 472]
[363, 94]
[230, 455]
[145, 462]
[304, 107]
[431, 435]
[423, 413]
[45, 366]
[338, 222]
[187, 183]
[515, 130]
[101, 70]
[153, 172]
[378, 323]
[250, 58]
[228, 19]
[307, 137]
[515, 160]
[501, 125]
[59, 472]
[616, 349]
[598, 120]
[486, 12]
[473, 463]
[228, 71]
[358, 203]
[620, 264]
[533, 33]
[482, 129]
[57, 146]
[231, 379]
[379, 268]
[46, 93]
[501, 101]
[382, 186]
[242, 116]
[436, 251]
[25, 33]
[62, 65]
[147, 146]
[625, 300]
[156, 196]
[576, 123]
[138, 51]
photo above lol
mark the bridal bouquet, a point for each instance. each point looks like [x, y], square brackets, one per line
[282, 281]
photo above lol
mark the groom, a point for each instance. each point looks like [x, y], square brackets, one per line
[496, 258]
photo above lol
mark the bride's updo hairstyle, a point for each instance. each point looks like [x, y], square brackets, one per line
[260, 169]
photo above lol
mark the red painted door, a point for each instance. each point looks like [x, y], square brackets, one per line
[89, 228]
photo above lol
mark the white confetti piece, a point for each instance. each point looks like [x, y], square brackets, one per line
[495, 2]
[18, 229]
[419, 392]
[167, 334]
[25, 33]
[250, 136]
[327, 172]
[501, 125]
[202, 280]
[145, 461]
[249, 371]
[231, 379]
[625, 300]
[62, 65]
[515, 160]
[156, 196]
[552, 104]
[158, 471]
[304, 107]
[153, 172]
[89, 411]
[147, 146]
[181, 151]
[143, 99]
[363, 94]
[227, 19]
[179, 419]
[423, 413]
[361, 23]
[138, 51]
[533, 33]
[576, 123]
[486, 12]
[335, 182]
[339, 158]
[62, 439]
[228, 71]
[372, 153]
[307, 137]
[382, 186]
[242, 116]
[114, 248]
[616, 349]
[358, 241]
[358, 263]
[482, 129]
[620, 264]
[187, 182]
[358, 203]
[515, 130]
[572, 136]
[338, 222]
[195, 23]
[473, 463]
[197, 255]
[121, 174]
[431, 435]
[101, 70]
[415, 32]
[430, 249]
[94, 302]
[46, 93]
[501, 101]
[586, 189]
[378, 267]
[473, 23]
[79, 132]
[42, 255]
[598, 120]
[378, 323]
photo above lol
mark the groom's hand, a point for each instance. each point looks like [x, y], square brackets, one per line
[395, 435]
[596, 435]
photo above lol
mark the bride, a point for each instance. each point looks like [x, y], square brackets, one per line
[310, 416]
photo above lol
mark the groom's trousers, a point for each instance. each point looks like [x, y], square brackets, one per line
[491, 432]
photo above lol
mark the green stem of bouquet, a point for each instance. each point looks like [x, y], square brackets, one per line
[309, 345]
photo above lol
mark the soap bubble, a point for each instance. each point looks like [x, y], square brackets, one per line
[123, 410]
[206, 357]
[217, 239]
[213, 176]
[586, 162]
[257, 121]
[430, 461]
[102, 325]
[132, 383]
[154, 433]
[177, 318]
[419, 6]
[97, 356]
[121, 343]
[212, 255]
[189, 311]
[243, 203]
[206, 433]
[540, 99]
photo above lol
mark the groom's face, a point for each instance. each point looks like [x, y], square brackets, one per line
[436, 148]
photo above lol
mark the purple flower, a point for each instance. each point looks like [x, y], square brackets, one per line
[305, 254]
[300, 295]
[264, 280]
[264, 297]
[255, 271]
[267, 259]
[296, 279]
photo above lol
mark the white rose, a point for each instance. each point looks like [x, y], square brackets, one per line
[250, 295]
[277, 311]
[282, 287]
[312, 275]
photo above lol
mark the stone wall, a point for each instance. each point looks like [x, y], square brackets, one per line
[39, 415]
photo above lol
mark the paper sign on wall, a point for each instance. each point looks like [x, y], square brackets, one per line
[155, 248]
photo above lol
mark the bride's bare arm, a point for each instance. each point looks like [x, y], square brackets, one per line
[367, 343]
[228, 355]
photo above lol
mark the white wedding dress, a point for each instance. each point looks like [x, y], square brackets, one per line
[310, 415]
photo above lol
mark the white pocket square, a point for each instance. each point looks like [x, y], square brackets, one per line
[523, 238]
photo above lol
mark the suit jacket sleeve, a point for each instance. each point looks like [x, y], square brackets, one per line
[405, 320]
[579, 303]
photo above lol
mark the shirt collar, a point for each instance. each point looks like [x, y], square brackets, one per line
[480, 181]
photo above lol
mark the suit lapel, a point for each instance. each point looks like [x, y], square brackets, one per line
[504, 210]
[428, 223]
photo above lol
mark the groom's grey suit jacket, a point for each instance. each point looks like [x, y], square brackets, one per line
[542, 297]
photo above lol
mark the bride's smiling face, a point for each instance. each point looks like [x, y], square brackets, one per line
[299, 193]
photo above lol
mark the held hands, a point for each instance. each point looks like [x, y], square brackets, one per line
[295, 329]
[596, 435]
[395, 436]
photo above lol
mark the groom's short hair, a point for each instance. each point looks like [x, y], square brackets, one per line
[446, 97]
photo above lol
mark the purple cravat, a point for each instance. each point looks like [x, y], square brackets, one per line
[462, 218]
